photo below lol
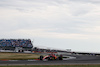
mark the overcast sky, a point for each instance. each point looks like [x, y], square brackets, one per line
[61, 24]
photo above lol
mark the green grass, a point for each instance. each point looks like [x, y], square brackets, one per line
[55, 66]
[17, 56]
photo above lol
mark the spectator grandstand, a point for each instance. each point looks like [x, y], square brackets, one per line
[12, 44]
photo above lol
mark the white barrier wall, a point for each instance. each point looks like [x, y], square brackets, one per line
[6, 51]
[63, 53]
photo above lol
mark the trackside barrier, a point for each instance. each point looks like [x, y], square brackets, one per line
[43, 52]
[6, 51]
[59, 53]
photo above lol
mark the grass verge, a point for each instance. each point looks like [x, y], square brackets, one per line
[17, 56]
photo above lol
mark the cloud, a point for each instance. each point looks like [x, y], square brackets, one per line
[45, 9]
[92, 30]
[81, 9]
[43, 33]
[87, 1]
[67, 16]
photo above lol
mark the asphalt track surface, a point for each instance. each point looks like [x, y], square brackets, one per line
[80, 59]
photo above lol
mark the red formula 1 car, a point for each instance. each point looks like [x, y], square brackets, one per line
[51, 57]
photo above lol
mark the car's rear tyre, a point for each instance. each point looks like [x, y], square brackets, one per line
[41, 57]
[60, 57]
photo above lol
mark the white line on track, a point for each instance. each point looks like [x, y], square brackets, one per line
[13, 60]
[69, 58]
[31, 60]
